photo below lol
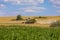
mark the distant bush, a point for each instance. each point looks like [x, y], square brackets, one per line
[55, 24]
[41, 17]
[19, 17]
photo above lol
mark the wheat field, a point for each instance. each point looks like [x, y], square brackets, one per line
[9, 21]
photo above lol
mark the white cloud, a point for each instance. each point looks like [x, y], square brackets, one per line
[5, 0]
[57, 10]
[13, 1]
[33, 2]
[33, 9]
[41, 1]
[2, 6]
[56, 6]
[55, 1]
[29, 10]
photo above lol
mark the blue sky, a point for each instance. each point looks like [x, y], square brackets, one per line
[30, 7]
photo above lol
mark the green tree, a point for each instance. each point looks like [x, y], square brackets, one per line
[19, 17]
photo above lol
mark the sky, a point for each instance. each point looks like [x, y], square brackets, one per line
[30, 7]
